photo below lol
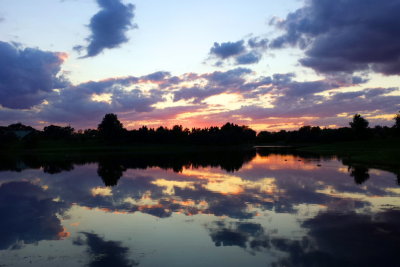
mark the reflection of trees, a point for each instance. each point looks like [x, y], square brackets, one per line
[50, 163]
[360, 174]
[58, 167]
[110, 171]
[112, 166]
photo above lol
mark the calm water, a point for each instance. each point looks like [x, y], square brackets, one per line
[219, 209]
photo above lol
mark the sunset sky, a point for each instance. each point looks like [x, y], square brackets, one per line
[267, 64]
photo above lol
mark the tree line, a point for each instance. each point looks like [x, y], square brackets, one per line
[358, 130]
[111, 131]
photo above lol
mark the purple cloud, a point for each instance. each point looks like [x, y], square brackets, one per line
[345, 36]
[109, 27]
[28, 75]
[241, 52]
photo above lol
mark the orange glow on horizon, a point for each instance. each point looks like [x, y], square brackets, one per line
[210, 118]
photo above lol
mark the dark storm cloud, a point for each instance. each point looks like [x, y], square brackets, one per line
[109, 26]
[345, 36]
[242, 52]
[28, 75]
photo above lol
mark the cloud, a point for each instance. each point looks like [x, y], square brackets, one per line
[249, 58]
[292, 99]
[9, 116]
[228, 49]
[105, 253]
[344, 239]
[345, 36]
[197, 94]
[309, 105]
[161, 78]
[135, 98]
[29, 215]
[258, 42]
[250, 236]
[109, 26]
[76, 103]
[28, 75]
[241, 52]
[233, 77]
[157, 76]
[153, 98]
[215, 83]
[161, 114]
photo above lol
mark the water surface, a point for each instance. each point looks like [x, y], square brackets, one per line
[217, 209]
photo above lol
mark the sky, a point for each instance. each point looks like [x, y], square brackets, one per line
[267, 64]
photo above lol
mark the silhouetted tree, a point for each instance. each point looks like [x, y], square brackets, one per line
[359, 126]
[265, 137]
[6, 137]
[359, 122]
[112, 130]
[58, 166]
[19, 127]
[110, 127]
[58, 132]
[396, 125]
[90, 133]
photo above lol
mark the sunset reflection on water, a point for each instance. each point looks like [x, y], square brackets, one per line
[266, 209]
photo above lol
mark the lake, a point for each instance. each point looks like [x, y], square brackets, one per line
[234, 208]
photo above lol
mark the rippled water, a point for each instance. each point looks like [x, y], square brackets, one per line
[218, 209]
